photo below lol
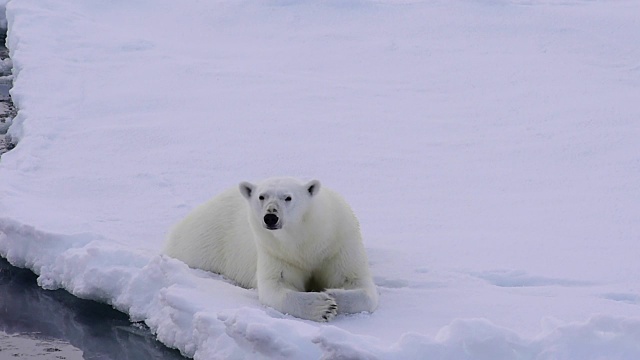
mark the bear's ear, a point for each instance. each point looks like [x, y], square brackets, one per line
[246, 189]
[313, 187]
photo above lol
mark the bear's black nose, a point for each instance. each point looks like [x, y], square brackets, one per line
[271, 220]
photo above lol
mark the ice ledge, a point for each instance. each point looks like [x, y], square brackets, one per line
[203, 315]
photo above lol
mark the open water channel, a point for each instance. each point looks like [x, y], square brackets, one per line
[45, 324]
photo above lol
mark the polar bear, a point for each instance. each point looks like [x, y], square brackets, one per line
[298, 243]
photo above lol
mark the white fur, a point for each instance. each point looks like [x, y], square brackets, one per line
[310, 264]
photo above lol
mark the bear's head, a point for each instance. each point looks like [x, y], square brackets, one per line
[278, 202]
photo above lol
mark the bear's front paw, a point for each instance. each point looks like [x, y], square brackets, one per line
[323, 307]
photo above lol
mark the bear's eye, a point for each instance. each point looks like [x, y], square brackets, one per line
[261, 197]
[288, 198]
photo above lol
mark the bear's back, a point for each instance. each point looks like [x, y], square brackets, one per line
[216, 237]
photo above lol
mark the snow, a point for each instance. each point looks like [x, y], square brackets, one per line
[489, 148]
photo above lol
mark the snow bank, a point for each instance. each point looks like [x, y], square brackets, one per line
[183, 307]
[489, 149]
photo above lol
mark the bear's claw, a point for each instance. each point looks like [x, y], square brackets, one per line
[326, 307]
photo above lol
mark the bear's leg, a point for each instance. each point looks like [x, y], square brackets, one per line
[354, 300]
[277, 290]
[316, 306]
[348, 281]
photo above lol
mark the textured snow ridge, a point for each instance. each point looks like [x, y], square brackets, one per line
[599, 338]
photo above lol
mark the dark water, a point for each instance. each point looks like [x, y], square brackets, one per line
[43, 316]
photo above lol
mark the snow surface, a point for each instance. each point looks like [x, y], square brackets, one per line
[489, 147]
